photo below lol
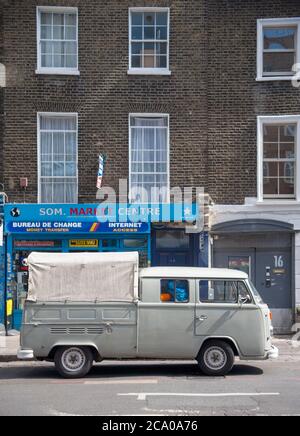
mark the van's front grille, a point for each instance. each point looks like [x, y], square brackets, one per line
[77, 330]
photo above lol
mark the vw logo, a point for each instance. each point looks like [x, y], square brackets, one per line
[15, 212]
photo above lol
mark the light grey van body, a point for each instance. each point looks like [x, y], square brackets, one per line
[150, 328]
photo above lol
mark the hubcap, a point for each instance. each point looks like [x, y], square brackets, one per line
[73, 359]
[215, 358]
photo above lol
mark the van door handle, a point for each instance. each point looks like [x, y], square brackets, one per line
[202, 318]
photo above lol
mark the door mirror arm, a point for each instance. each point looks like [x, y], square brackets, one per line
[244, 300]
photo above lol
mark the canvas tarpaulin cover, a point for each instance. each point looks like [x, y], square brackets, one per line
[83, 276]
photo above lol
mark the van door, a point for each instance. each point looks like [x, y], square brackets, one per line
[166, 319]
[218, 313]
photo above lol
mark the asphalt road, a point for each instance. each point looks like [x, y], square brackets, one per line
[151, 388]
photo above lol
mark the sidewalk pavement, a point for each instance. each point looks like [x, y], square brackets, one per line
[9, 346]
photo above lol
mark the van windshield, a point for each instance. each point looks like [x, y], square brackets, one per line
[256, 294]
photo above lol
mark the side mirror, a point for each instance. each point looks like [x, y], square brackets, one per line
[244, 300]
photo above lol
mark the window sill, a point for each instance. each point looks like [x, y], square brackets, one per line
[148, 72]
[277, 202]
[57, 72]
[275, 79]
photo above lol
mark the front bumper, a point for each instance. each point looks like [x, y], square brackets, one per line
[25, 354]
[273, 353]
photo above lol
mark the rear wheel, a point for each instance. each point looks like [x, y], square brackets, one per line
[73, 362]
[216, 358]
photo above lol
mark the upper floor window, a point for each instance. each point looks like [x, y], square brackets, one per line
[278, 147]
[149, 41]
[57, 150]
[57, 40]
[149, 158]
[278, 48]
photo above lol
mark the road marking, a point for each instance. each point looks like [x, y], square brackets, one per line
[121, 382]
[142, 396]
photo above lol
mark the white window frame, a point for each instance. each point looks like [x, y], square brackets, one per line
[274, 22]
[283, 119]
[55, 71]
[54, 114]
[151, 115]
[149, 71]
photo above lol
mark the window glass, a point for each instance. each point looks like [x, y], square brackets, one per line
[279, 52]
[149, 160]
[110, 243]
[149, 40]
[58, 159]
[177, 240]
[174, 291]
[279, 160]
[135, 243]
[58, 40]
[219, 291]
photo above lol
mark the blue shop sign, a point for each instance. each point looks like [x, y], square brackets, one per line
[34, 227]
[93, 218]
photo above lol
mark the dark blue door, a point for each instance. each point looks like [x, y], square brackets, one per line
[173, 248]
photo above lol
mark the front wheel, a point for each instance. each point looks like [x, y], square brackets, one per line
[73, 362]
[216, 358]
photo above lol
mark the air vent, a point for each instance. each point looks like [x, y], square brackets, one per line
[58, 330]
[95, 331]
[76, 331]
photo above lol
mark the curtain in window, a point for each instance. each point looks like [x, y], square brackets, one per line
[149, 160]
[58, 159]
[58, 40]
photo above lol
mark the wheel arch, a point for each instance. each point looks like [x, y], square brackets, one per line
[92, 347]
[230, 341]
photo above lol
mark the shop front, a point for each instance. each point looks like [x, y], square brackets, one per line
[76, 228]
[62, 229]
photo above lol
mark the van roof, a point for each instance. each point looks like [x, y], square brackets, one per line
[192, 273]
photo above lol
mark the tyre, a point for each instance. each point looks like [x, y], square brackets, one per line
[216, 358]
[73, 362]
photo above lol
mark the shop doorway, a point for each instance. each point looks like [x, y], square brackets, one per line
[267, 258]
[173, 248]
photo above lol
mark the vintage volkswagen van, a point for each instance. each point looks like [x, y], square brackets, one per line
[211, 316]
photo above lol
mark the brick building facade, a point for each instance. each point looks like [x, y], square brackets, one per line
[213, 99]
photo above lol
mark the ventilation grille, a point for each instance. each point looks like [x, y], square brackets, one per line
[77, 330]
[95, 330]
[58, 330]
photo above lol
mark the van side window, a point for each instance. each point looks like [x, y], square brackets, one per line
[221, 291]
[174, 291]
